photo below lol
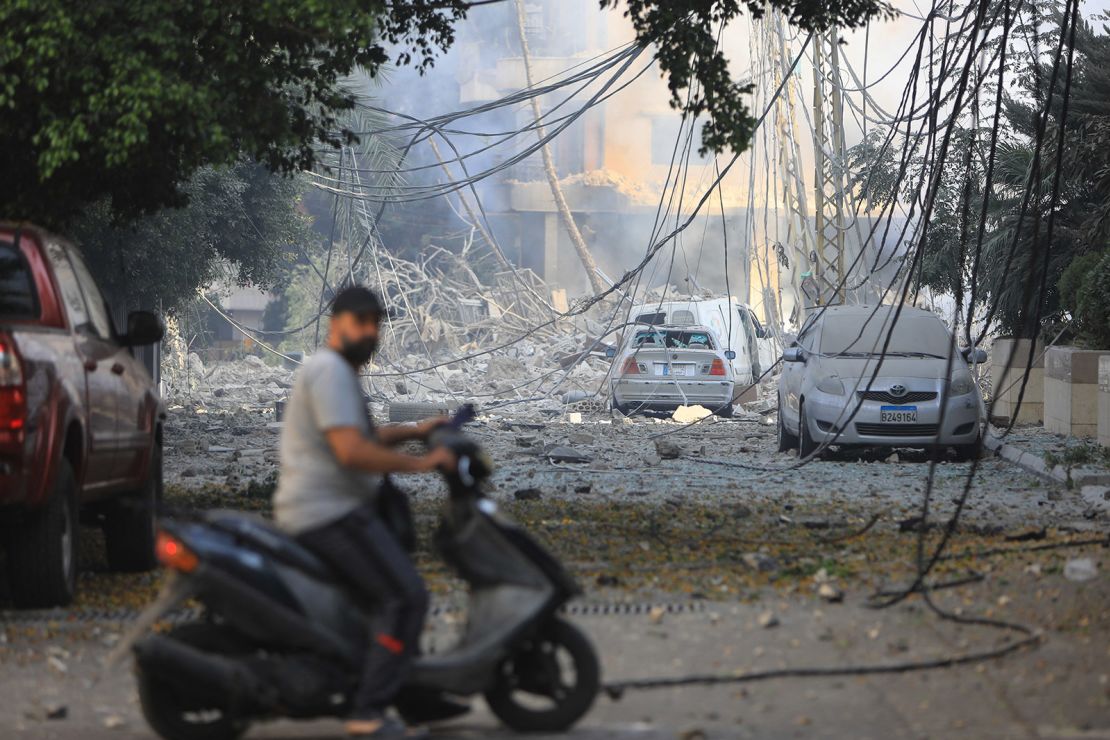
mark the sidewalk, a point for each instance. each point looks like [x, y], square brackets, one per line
[1060, 689]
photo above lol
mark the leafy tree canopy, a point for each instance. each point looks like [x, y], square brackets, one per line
[125, 100]
[239, 225]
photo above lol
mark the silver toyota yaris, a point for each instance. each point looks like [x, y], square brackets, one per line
[839, 386]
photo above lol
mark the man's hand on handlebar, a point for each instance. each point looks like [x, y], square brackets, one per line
[442, 458]
[425, 428]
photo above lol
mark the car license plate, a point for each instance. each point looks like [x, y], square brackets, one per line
[898, 414]
[678, 370]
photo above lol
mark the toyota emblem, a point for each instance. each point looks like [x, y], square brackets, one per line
[898, 390]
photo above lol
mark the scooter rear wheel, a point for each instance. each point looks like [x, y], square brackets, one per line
[548, 683]
[174, 714]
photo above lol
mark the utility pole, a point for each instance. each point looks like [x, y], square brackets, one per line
[801, 243]
[830, 182]
[584, 255]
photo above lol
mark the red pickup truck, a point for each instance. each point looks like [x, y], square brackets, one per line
[80, 420]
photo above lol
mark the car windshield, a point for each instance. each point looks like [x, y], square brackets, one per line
[865, 335]
[673, 339]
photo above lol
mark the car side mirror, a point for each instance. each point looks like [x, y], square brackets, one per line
[793, 354]
[730, 355]
[610, 352]
[975, 355]
[143, 327]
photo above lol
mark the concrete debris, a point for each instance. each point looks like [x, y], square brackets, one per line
[668, 449]
[581, 438]
[830, 593]
[114, 721]
[688, 414]
[527, 494]
[760, 561]
[1080, 569]
[767, 620]
[561, 453]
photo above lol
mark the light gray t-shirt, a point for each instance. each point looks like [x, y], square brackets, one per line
[313, 488]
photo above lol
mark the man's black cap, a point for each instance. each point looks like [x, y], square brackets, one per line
[359, 301]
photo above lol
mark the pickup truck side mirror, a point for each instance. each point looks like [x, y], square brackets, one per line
[143, 327]
[793, 354]
[975, 355]
[610, 352]
[730, 355]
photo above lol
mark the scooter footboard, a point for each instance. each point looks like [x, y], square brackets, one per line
[201, 674]
[498, 616]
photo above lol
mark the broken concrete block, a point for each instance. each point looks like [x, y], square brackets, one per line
[667, 449]
[1080, 569]
[561, 453]
[688, 414]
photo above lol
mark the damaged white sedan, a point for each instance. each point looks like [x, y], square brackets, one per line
[860, 375]
[660, 368]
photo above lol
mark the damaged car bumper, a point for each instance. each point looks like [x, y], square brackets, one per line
[914, 420]
[668, 395]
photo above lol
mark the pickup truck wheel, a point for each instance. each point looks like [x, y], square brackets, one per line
[42, 549]
[131, 524]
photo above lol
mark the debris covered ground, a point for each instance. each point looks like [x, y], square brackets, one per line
[762, 566]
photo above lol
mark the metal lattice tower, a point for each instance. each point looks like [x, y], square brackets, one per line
[800, 238]
[815, 236]
[830, 171]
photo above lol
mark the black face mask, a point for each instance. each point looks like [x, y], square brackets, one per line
[359, 352]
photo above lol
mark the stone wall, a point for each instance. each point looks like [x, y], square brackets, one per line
[1009, 358]
[1071, 391]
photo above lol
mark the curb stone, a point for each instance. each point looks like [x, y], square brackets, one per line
[1080, 476]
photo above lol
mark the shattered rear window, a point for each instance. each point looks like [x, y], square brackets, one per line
[17, 288]
[673, 339]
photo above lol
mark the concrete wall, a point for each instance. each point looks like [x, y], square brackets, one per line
[1071, 390]
[1104, 401]
[1009, 358]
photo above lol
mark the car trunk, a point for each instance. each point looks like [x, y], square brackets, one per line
[678, 363]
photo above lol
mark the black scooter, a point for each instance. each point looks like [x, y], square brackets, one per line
[280, 638]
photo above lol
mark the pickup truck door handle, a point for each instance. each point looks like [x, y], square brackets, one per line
[117, 368]
[90, 365]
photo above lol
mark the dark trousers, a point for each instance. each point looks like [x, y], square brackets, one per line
[364, 553]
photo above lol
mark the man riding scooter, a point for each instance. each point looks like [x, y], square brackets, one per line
[333, 460]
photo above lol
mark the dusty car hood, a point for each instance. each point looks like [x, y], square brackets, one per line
[892, 367]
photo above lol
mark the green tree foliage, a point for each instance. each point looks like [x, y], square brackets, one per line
[126, 100]
[1092, 305]
[1012, 266]
[242, 223]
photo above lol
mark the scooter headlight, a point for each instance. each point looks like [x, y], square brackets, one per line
[961, 384]
[831, 384]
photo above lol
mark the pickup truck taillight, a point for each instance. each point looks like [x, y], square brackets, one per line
[13, 393]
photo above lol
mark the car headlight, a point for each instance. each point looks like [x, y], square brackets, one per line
[831, 384]
[961, 384]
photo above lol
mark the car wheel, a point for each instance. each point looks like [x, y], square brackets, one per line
[42, 548]
[130, 525]
[969, 452]
[787, 441]
[806, 445]
[725, 412]
[619, 408]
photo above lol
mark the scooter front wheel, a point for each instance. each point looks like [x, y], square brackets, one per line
[549, 682]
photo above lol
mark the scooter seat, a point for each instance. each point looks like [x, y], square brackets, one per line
[262, 535]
